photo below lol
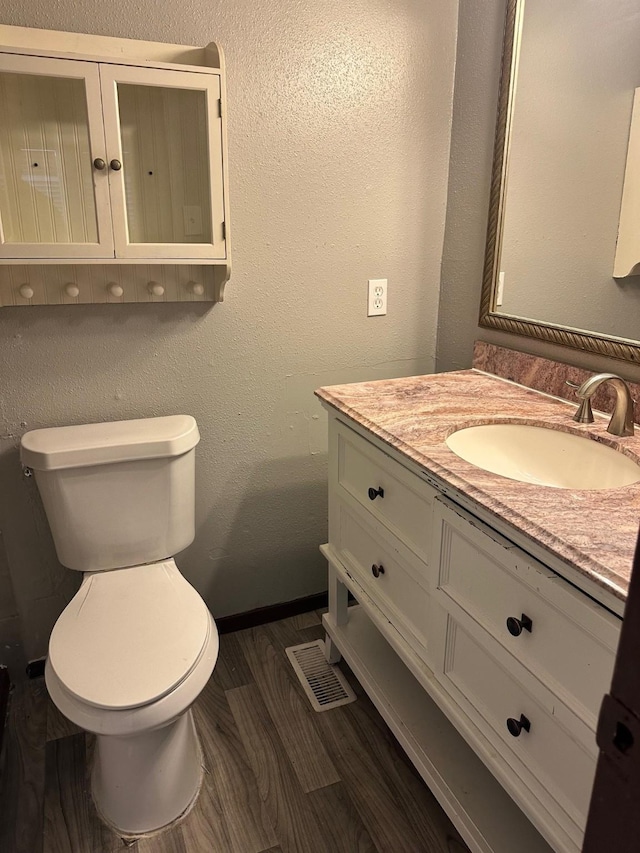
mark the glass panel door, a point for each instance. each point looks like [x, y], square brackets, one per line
[165, 162]
[53, 201]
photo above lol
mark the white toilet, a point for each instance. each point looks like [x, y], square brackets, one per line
[136, 645]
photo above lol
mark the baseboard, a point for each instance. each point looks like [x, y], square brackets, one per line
[272, 613]
[35, 668]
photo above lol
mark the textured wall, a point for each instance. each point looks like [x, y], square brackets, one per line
[339, 127]
[481, 24]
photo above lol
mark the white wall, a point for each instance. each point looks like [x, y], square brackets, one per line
[339, 127]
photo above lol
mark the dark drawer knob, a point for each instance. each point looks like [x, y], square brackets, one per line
[116, 165]
[99, 164]
[517, 626]
[374, 493]
[376, 571]
[516, 726]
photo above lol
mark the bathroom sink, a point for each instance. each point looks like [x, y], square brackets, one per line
[546, 457]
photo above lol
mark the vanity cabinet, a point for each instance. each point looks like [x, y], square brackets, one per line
[101, 160]
[488, 666]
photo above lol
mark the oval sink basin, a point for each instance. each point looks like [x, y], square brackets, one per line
[546, 457]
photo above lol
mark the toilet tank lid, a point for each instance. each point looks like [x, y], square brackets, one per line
[106, 443]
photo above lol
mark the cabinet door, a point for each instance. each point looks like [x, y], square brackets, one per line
[570, 642]
[54, 202]
[164, 147]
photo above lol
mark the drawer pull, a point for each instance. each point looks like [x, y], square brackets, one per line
[377, 570]
[373, 493]
[516, 726]
[516, 626]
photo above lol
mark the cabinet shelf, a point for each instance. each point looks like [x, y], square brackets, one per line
[209, 262]
[37, 284]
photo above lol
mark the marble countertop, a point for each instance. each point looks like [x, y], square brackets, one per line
[594, 531]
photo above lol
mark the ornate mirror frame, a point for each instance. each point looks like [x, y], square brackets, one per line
[586, 341]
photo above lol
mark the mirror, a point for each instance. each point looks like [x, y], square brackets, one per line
[569, 75]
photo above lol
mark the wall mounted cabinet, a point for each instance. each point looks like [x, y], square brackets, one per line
[109, 154]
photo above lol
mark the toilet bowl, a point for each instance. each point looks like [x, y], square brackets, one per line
[127, 658]
[147, 765]
[135, 646]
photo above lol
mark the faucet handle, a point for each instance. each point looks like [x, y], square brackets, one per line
[584, 412]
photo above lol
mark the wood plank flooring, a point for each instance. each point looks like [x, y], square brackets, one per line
[280, 778]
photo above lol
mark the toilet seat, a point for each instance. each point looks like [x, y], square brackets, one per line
[129, 636]
[128, 723]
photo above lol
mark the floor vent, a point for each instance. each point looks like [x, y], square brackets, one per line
[323, 683]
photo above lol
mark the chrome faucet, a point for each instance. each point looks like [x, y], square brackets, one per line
[621, 422]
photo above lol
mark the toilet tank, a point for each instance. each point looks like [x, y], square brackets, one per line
[116, 494]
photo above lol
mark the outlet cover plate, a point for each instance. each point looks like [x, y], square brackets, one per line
[377, 297]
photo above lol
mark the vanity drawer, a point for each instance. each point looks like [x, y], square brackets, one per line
[394, 584]
[399, 499]
[553, 752]
[572, 642]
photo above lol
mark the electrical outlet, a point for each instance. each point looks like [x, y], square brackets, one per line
[377, 297]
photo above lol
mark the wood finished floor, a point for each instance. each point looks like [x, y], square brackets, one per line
[280, 778]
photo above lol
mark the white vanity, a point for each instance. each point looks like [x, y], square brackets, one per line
[487, 653]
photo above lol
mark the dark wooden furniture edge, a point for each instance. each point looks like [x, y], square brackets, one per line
[5, 684]
[614, 816]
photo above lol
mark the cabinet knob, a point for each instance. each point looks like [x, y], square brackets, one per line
[115, 289]
[116, 165]
[26, 291]
[99, 164]
[516, 726]
[72, 290]
[516, 626]
[377, 570]
[196, 288]
[155, 289]
[374, 493]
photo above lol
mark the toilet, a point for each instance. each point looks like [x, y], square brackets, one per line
[135, 646]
